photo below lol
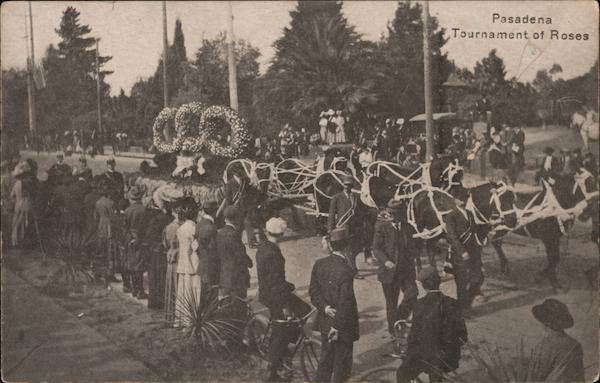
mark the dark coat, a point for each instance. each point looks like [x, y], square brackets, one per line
[156, 223]
[437, 333]
[89, 205]
[554, 170]
[234, 262]
[206, 235]
[273, 289]
[518, 139]
[340, 206]
[232, 192]
[57, 173]
[556, 358]
[332, 284]
[115, 183]
[457, 230]
[135, 226]
[391, 244]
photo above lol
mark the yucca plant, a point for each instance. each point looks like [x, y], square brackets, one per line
[74, 251]
[209, 323]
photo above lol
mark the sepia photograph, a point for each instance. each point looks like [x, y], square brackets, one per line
[299, 191]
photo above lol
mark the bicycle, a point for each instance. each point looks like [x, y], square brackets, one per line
[259, 330]
[388, 374]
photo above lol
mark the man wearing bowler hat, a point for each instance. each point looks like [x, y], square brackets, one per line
[206, 236]
[557, 357]
[345, 213]
[437, 333]
[332, 293]
[114, 180]
[234, 277]
[394, 252]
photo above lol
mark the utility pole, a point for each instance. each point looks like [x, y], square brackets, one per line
[233, 97]
[30, 69]
[427, 82]
[165, 49]
[99, 96]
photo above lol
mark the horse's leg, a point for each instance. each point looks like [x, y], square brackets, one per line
[552, 246]
[503, 260]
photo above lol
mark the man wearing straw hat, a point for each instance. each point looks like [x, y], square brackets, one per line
[276, 294]
[332, 293]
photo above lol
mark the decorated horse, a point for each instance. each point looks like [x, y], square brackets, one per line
[547, 215]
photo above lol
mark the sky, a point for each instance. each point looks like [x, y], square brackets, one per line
[131, 32]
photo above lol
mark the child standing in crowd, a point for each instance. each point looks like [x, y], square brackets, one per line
[189, 282]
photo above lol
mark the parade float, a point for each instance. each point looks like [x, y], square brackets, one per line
[194, 143]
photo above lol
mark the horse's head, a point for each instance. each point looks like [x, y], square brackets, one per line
[377, 191]
[445, 173]
[502, 203]
[585, 188]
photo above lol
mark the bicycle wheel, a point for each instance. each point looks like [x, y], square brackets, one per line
[309, 358]
[259, 335]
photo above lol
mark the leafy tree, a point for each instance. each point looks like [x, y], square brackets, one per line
[14, 114]
[400, 70]
[490, 74]
[318, 64]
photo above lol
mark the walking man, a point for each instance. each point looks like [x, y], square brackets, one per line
[332, 293]
[437, 333]
[394, 252]
[234, 278]
[344, 213]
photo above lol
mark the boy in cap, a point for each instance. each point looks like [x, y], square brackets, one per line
[437, 333]
[557, 357]
[337, 318]
[395, 254]
[276, 294]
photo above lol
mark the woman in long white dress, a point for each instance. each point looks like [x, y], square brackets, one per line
[323, 126]
[188, 281]
[340, 129]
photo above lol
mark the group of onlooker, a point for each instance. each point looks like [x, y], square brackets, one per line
[332, 127]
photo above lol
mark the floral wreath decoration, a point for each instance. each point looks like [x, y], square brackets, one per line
[240, 137]
[188, 117]
[160, 123]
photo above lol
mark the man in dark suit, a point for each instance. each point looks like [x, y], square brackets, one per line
[235, 193]
[437, 333]
[276, 294]
[465, 252]
[234, 277]
[332, 293]
[114, 181]
[550, 169]
[394, 252]
[344, 212]
[136, 220]
[59, 171]
[206, 236]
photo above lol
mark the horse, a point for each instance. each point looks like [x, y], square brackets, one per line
[327, 185]
[546, 215]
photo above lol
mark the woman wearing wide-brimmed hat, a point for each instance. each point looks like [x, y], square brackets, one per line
[557, 357]
[22, 194]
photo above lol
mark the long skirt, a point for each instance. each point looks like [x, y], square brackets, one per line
[157, 268]
[170, 291]
[189, 288]
[20, 222]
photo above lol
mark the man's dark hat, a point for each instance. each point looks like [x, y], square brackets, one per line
[339, 234]
[210, 204]
[231, 212]
[548, 150]
[111, 161]
[554, 314]
[429, 278]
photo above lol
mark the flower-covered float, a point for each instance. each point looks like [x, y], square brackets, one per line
[193, 145]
